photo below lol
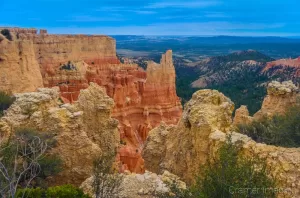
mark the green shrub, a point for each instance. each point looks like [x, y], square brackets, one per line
[6, 33]
[30, 193]
[50, 165]
[230, 174]
[69, 66]
[174, 192]
[280, 130]
[65, 191]
[5, 101]
[28, 134]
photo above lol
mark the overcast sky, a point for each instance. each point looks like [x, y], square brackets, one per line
[156, 17]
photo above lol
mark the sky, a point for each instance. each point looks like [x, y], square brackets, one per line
[156, 17]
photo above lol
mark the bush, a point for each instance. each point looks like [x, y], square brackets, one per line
[65, 191]
[232, 171]
[174, 192]
[5, 101]
[230, 174]
[280, 130]
[6, 33]
[50, 165]
[69, 66]
[30, 193]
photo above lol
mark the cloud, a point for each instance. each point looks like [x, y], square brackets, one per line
[145, 12]
[110, 9]
[203, 28]
[216, 15]
[184, 4]
[125, 9]
[89, 18]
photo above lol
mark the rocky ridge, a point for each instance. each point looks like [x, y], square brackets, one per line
[285, 66]
[202, 130]
[187, 142]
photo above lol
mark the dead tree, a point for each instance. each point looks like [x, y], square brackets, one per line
[106, 180]
[19, 163]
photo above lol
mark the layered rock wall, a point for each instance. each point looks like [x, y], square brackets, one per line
[19, 69]
[142, 98]
[55, 50]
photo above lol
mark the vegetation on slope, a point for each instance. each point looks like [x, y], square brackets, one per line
[184, 78]
[68, 66]
[240, 81]
[245, 55]
[244, 88]
[65, 191]
[230, 174]
[5, 101]
[280, 130]
[6, 33]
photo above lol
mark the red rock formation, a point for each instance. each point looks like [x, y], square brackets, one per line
[282, 64]
[143, 99]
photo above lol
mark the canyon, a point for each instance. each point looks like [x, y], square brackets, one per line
[76, 88]
[35, 59]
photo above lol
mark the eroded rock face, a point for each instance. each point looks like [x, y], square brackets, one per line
[83, 130]
[142, 98]
[183, 148]
[19, 69]
[280, 97]
[281, 66]
[145, 185]
[206, 121]
[242, 116]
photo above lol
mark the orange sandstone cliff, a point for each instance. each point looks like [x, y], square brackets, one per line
[19, 69]
[286, 68]
[142, 99]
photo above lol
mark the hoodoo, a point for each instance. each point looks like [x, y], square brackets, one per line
[142, 98]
